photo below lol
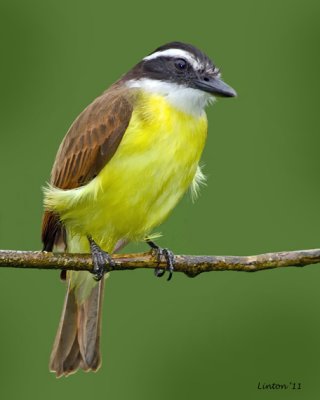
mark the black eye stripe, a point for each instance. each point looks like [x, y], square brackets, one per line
[181, 64]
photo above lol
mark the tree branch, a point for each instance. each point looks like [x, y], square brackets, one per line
[190, 265]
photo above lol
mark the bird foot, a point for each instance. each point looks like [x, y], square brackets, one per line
[102, 261]
[160, 252]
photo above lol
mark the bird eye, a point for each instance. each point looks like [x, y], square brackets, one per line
[181, 64]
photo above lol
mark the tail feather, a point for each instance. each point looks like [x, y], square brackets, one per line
[72, 362]
[77, 343]
[66, 334]
[89, 327]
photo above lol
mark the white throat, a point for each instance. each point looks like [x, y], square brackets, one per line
[189, 100]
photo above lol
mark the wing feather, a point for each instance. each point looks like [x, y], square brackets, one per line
[89, 144]
[92, 140]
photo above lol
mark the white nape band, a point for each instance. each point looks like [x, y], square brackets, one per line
[177, 53]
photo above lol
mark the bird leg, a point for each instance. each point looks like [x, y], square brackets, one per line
[167, 254]
[102, 261]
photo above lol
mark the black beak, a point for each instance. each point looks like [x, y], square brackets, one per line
[215, 86]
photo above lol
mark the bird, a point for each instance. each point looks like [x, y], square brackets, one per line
[122, 167]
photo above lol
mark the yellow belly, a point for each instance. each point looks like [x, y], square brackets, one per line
[152, 168]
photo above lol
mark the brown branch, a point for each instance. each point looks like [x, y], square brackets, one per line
[190, 265]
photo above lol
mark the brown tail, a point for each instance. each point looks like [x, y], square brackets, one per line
[77, 343]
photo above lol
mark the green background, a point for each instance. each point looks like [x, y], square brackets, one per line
[216, 336]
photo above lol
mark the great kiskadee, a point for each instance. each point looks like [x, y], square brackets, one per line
[122, 167]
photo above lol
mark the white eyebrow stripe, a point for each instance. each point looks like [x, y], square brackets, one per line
[178, 53]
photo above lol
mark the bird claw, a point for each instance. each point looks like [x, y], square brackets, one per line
[102, 261]
[160, 252]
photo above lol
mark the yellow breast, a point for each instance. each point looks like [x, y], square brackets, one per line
[152, 168]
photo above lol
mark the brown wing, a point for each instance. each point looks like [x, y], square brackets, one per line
[89, 144]
[92, 140]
